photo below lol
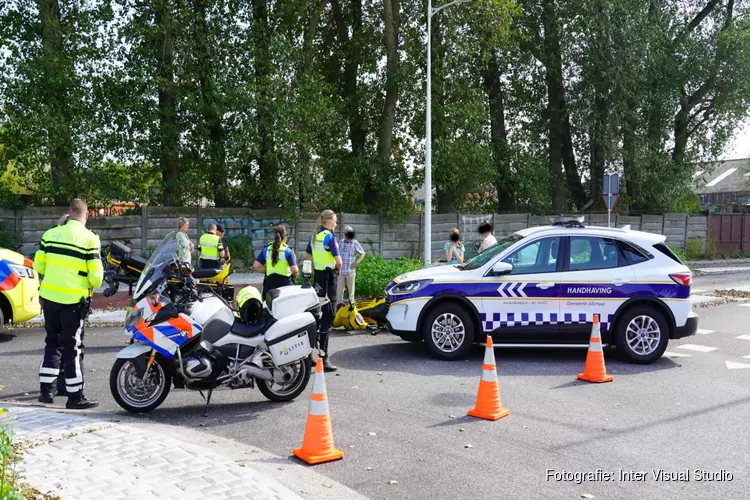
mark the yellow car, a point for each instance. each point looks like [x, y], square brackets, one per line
[19, 288]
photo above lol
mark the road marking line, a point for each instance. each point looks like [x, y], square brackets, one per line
[696, 347]
[733, 365]
[698, 291]
[746, 304]
[743, 337]
[668, 354]
[746, 357]
[704, 332]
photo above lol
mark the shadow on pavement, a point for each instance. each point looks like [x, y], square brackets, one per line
[6, 337]
[413, 358]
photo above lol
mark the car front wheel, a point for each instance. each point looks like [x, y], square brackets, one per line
[642, 335]
[448, 332]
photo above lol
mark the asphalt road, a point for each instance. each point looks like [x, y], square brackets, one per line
[680, 413]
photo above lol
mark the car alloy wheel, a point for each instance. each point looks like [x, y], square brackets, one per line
[448, 332]
[643, 335]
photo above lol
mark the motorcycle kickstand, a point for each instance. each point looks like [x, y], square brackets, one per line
[208, 402]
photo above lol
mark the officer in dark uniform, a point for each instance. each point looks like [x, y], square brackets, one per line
[69, 259]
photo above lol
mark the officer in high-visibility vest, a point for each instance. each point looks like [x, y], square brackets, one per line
[277, 261]
[324, 251]
[211, 249]
[69, 258]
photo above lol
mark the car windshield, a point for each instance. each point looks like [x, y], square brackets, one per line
[163, 256]
[491, 252]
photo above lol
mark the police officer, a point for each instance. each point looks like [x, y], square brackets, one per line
[278, 262]
[324, 251]
[211, 249]
[69, 258]
[221, 233]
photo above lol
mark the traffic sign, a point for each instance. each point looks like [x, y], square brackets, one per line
[611, 184]
[610, 200]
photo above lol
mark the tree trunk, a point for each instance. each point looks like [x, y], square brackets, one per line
[499, 135]
[269, 171]
[211, 108]
[169, 133]
[357, 131]
[630, 161]
[388, 117]
[59, 134]
[555, 103]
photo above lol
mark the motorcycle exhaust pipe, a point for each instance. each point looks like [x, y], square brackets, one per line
[258, 373]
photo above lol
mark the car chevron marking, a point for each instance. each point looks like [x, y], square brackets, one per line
[520, 290]
[501, 289]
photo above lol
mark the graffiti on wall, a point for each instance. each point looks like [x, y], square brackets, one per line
[234, 226]
[259, 230]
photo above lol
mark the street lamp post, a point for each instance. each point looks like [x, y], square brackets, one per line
[428, 134]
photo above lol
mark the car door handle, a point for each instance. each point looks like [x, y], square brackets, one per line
[545, 285]
[620, 281]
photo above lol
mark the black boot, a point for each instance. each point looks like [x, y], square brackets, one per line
[327, 366]
[45, 394]
[79, 402]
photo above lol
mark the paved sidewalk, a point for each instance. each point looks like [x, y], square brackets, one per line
[78, 457]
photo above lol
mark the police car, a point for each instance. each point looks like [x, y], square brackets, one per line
[542, 287]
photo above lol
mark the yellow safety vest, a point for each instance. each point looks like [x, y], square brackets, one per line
[69, 258]
[282, 265]
[210, 246]
[322, 258]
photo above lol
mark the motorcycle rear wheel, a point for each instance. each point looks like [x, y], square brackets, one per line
[133, 393]
[282, 392]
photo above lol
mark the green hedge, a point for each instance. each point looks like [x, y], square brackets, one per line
[241, 248]
[374, 274]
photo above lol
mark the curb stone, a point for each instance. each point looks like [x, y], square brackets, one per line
[91, 457]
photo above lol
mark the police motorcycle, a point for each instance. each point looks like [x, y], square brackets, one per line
[191, 337]
[122, 266]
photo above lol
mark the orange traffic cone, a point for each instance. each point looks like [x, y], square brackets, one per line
[595, 371]
[317, 445]
[488, 404]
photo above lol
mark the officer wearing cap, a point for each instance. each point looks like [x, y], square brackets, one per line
[211, 249]
[69, 259]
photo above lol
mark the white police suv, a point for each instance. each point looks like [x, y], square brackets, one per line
[542, 287]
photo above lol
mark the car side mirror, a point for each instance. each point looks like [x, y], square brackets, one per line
[501, 269]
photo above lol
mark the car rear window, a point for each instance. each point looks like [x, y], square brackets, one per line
[632, 254]
[668, 252]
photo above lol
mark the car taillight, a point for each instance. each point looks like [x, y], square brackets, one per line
[684, 279]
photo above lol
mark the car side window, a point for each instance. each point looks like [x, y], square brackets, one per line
[590, 253]
[537, 257]
[632, 255]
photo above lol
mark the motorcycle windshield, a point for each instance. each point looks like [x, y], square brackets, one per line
[164, 256]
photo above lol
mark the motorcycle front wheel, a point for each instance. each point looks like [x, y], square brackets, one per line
[138, 394]
[293, 381]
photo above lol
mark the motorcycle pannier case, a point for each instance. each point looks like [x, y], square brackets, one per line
[288, 339]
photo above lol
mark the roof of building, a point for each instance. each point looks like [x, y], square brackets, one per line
[723, 177]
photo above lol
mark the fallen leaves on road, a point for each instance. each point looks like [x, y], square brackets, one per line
[588, 495]
[392, 482]
[369, 468]
[731, 292]
[380, 373]
[461, 429]
[327, 485]
[451, 416]
[372, 434]
[468, 446]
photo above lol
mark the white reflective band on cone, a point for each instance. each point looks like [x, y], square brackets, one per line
[489, 375]
[489, 356]
[596, 332]
[319, 384]
[595, 347]
[318, 407]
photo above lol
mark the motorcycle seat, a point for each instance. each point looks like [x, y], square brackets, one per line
[134, 262]
[246, 331]
[206, 273]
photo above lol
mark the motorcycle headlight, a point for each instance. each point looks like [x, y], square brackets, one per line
[21, 271]
[134, 317]
[409, 287]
